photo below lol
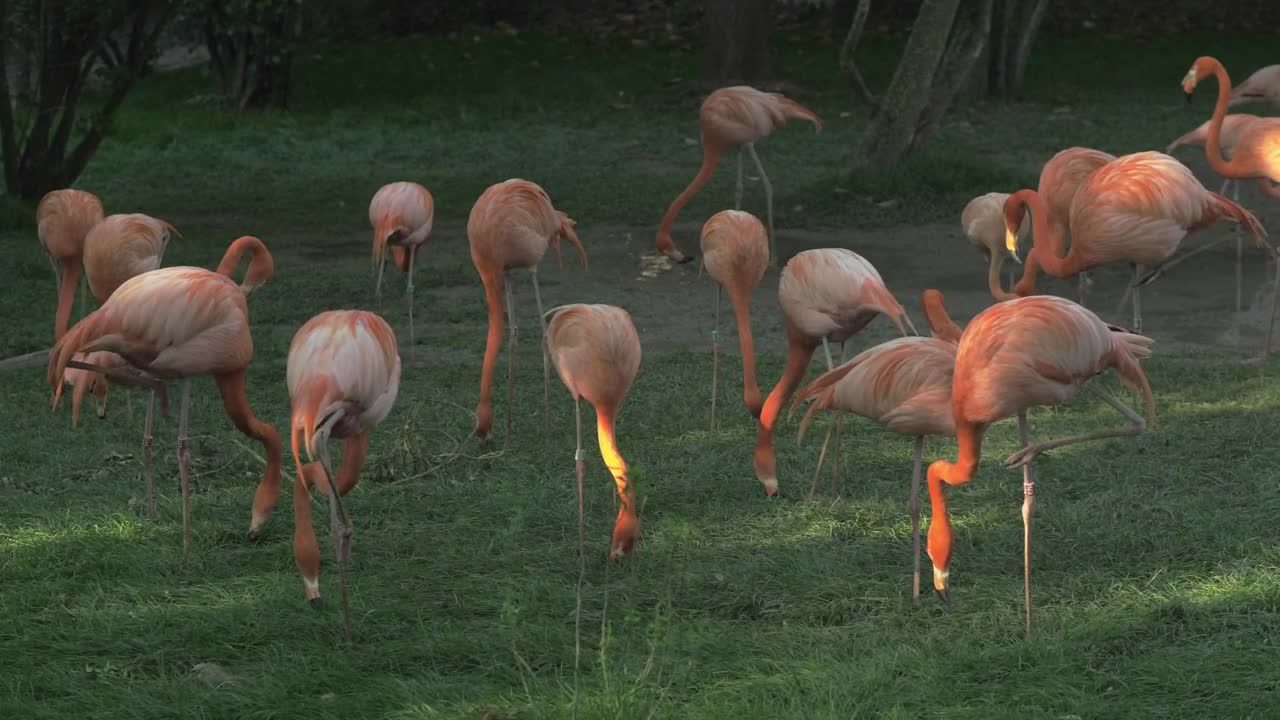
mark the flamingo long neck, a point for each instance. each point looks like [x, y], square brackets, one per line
[607, 437]
[1213, 146]
[993, 277]
[741, 299]
[261, 265]
[800, 351]
[710, 158]
[236, 402]
[570, 235]
[969, 436]
[66, 296]
[1046, 239]
[493, 285]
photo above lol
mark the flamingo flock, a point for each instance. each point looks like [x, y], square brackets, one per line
[156, 324]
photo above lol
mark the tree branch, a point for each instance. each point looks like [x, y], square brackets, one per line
[847, 63]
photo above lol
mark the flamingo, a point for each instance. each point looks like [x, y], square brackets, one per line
[596, 352]
[1015, 355]
[183, 322]
[1136, 209]
[983, 223]
[510, 227]
[903, 384]
[401, 214]
[1229, 135]
[1263, 84]
[63, 219]
[1257, 147]
[827, 295]
[343, 376]
[118, 248]
[1060, 177]
[735, 253]
[734, 117]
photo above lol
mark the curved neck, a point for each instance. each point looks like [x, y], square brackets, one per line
[935, 312]
[993, 279]
[1045, 237]
[260, 267]
[571, 235]
[606, 436]
[710, 158]
[1213, 147]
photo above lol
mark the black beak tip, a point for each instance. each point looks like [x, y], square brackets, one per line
[253, 536]
[317, 603]
[945, 597]
[687, 259]
[1188, 97]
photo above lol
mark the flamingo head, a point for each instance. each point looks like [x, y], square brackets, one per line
[1014, 213]
[1202, 67]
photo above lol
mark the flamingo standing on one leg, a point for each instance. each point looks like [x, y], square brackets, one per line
[983, 224]
[1229, 136]
[735, 252]
[118, 248]
[903, 384]
[1136, 209]
[1263, 84]
[1060, 178]
[182, 322]
[828, 294]
[63, 220]
[1013, 356]
[401, 214]
[510, 227]
[734, 117]
[343, 376]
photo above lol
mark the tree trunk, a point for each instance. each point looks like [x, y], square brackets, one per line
[1014, 25]
[737, 43]
[944, 46]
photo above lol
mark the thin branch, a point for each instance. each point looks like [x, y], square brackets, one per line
[847, 62]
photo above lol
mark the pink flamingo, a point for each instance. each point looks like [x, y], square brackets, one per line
[827, 295]
[182, 322]
[401, 214]
[903, 384]
[734, 117]
[511, 226]
[1060, 178]
[1136, 209]
[343, 376]
[63, 220]
[1013, 356]
[735, 253]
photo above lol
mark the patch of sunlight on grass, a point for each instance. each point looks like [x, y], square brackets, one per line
[115, 527]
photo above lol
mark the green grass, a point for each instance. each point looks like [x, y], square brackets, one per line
[1155, 568]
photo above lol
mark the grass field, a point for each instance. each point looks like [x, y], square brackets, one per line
[1156, 564]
